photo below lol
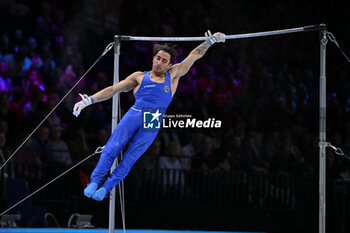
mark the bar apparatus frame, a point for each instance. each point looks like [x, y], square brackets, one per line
[322, 104]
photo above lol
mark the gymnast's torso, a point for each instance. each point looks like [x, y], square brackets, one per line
[152, 94]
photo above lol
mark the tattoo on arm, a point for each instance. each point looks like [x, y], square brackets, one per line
[202, 48]
[182, 68]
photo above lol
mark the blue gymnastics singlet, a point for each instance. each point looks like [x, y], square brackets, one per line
[150, 95]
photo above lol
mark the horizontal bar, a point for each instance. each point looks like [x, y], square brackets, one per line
[227, 37]
[268, 33]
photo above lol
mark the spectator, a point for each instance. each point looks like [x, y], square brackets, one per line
[27, 161]
[204, 81]
[78, 144]
[189, 150]
[272, 144]
[6, 114]
[234, 148]
[58, 153]
[79, 149]
[205, 159]
[4, 155]
[68, 77]
[58, 160]
[172, 163]
[203, 110]
[252, 158]
[15, 105]
[4, 151]
[4, 45]
[222, 96]
[149, 161]
[173, 177]
[16, 63]
[5, 81]
[34, 61]
[40, 142]
[17, 39]
[144, 173]
[289, 160]
[34, 95]
[48, 67]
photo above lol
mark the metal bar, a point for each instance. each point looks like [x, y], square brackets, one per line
[322, 132]
[115, 111]
[227, 37]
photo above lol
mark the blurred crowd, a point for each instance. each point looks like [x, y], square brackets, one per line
[264, 91]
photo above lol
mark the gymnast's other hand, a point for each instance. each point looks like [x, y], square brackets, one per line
[217, 37]
[85, 101]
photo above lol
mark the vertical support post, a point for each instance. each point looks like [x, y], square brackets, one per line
[115, 110]
[322, 131]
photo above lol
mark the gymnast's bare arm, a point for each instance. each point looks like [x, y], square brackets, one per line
[180, 69]
[131, 82]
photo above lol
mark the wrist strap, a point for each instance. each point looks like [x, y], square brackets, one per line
[92, 99]
[209, 42]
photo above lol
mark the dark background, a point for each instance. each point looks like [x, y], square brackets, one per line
[273, 71]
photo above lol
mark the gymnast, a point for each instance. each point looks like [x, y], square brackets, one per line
[152, 90]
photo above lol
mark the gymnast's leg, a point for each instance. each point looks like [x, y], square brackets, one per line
[124, 131]
[142, 140]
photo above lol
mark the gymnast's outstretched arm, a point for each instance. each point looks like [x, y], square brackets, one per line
[180, 69]
[123, 86]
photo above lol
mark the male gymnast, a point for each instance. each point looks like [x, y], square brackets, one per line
[152, 90]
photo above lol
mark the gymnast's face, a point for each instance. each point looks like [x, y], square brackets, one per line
[161, 62]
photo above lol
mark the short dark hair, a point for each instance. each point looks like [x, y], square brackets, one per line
[169, 48]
